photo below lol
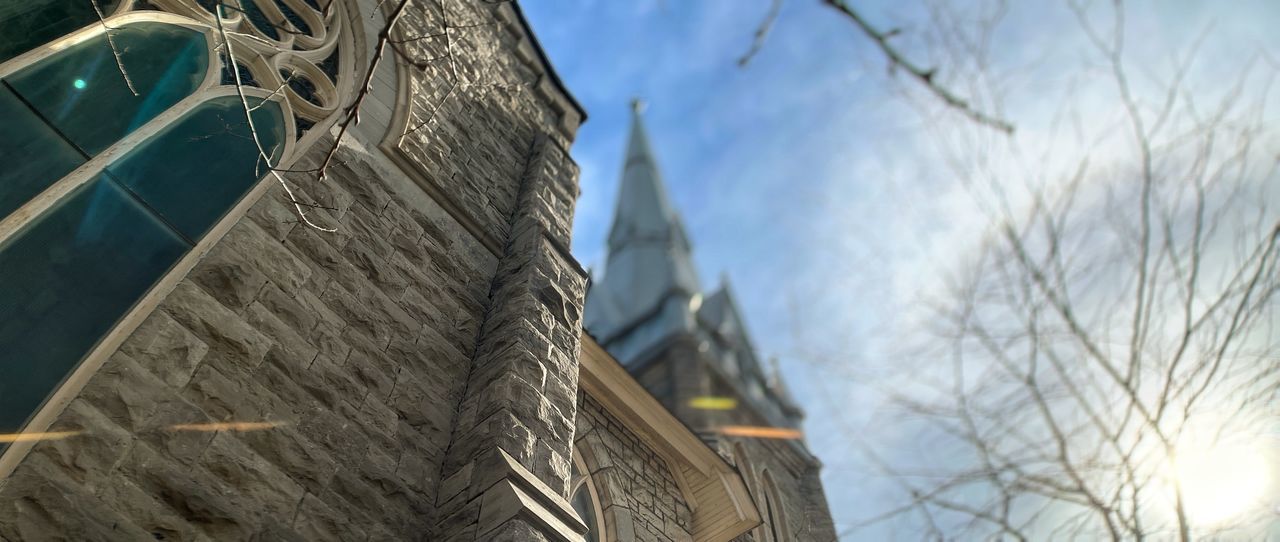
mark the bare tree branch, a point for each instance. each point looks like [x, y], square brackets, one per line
[926, 77]
[115, 51]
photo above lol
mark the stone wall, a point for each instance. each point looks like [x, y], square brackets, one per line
[795, 472]
[639, 496]
[351, 347]
[786, 480]
[354, 371]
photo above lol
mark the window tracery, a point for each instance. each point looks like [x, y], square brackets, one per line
[126, 142]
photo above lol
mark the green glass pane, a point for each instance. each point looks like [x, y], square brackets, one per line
[68, 277]
[82, 92]
[198, 167]
[27, 24]
[32, 154]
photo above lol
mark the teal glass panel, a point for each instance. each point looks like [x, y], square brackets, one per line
[82, 93]
[32, 154]
[198, 167]
[68, 277]
[27, 24]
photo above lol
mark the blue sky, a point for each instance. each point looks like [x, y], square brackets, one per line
[815, 180]
[752, 158]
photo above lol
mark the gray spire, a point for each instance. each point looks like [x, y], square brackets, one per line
[649, 262]
[644, 214]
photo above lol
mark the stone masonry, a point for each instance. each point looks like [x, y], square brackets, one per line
[639, 495]
[365, 378]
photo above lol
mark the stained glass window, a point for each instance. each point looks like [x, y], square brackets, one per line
[73, 271]
[68, 276]
[82, 92]
[34, 154]
[27, 24]
[197, 168]
[584, 502]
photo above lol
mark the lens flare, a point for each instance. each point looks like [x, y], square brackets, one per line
[752, 431]
[225, 426]
[1222, 482]
[79, 84]
[709, 402]
[7, 438]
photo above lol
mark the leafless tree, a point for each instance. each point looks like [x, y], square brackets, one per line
[1117, 325]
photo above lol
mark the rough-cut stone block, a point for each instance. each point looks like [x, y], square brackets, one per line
[274, 214]
[165, 348]
[96, 447]
[284, 336]
[142, 509]
[192, 493]
[224, 331]
[254, 477]
[308, 245]
[138, 401]
[40, 503]
[229, 274]
[420, 406]
[286, 448]
[291, 312]
[318, 521]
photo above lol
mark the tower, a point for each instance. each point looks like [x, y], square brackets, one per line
[692, 349]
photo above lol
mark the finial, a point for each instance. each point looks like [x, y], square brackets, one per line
[638, 105]
[776, 370]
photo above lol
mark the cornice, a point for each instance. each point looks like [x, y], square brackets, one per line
[549, 84]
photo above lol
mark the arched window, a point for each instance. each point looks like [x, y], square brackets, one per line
[776, 513]
[124, 144]
[585, 500]
[743, 462]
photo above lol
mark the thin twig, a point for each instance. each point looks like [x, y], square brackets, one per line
[115, 51]
[762, 32]
[352, 112]
[253, 131]
[925, 76]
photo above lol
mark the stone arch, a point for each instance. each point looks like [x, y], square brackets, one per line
[388, 97]
[610, 488]
[776, 515]
[742, 460]
[584, 496]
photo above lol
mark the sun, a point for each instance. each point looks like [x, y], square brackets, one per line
[1222, 482]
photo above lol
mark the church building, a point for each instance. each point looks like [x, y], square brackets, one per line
[691, 350]
[299, 270]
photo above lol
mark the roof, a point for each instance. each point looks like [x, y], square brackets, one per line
[649, 279]
[719, 502]
[542, 56]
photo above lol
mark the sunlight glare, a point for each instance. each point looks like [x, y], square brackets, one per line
[1222, 482]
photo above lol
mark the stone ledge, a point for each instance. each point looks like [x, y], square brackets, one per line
[507, 490]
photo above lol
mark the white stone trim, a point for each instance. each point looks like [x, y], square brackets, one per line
[508, 490]
[719, 501]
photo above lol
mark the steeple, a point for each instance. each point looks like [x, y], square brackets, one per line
[644, 215]
[649, 263]
[649, 293]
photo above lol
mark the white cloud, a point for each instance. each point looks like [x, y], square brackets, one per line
[826, 195]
